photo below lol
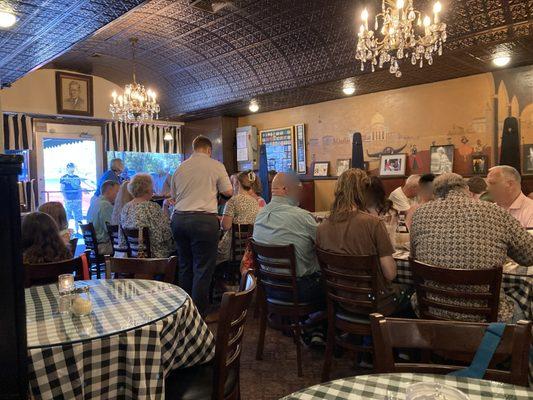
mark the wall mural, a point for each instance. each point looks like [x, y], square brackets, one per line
[460, 112]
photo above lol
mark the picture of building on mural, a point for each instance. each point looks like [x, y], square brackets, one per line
[441, 159]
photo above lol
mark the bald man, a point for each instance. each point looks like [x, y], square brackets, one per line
[282, 222]
[404, 197]
[505, 187]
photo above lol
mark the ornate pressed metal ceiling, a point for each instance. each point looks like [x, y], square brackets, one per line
[284, 53]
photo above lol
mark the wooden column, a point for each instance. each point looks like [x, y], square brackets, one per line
[13, 350]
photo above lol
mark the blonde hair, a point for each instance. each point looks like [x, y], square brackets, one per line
[140, 185]
[123, 197]
[350, 193]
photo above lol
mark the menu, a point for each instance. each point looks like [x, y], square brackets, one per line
[300, 149]
[279, 145]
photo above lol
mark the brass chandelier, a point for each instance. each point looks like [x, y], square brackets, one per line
[399, 22]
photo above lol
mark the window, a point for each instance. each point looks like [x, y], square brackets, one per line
[25, 174]
[149, 163]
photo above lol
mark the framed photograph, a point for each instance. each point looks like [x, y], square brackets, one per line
[392, 164]
[527, 163]
[343, 164]
[480, 164]
[301, 161]
[321, 168]
[74, 94]
[441, 159]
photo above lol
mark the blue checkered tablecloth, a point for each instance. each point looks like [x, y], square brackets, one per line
[519, 287]
[394, 386]
[136, 334]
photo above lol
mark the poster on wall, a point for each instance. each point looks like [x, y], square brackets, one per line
[527, 159]
[301, 161]
[279, 145]
[441, 159]
[74, 94]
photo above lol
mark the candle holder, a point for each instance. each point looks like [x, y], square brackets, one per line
[65, 284]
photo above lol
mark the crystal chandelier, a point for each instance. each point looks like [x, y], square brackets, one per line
[136, 104]
[398, 25]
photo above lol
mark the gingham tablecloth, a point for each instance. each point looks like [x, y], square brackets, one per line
[136, 334]
[519, 287]
[393, 386]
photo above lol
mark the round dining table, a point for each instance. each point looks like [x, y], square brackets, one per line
[394, 386]
[137, 332]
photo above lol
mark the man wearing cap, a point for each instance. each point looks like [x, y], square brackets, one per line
[72, 194]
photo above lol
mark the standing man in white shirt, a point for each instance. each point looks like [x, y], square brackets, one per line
[404, 197]
[195, 226]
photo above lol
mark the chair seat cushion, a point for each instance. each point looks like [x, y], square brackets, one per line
[195, 383]
[351, 317]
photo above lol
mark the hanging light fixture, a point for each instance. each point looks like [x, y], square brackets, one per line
[136, 104]
[7, 19]
[254, 106]
[398, 24]
[348, 87]
[168, 136]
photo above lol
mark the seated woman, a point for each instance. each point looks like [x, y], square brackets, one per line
[56, 210]
[257, 189]
[41, 242]
[123, 197]
[351, 230]
[141, 212]
[242, 208]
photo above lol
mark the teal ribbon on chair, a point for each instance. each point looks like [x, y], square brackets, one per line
[484, 353]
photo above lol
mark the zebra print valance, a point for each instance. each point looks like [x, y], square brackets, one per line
[17, 132]
[144, 138]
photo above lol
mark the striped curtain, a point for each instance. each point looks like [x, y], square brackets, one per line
[17, 132]
[144, 138]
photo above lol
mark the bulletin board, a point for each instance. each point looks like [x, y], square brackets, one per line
[279, 144]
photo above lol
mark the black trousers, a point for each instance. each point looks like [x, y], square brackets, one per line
[197, 238]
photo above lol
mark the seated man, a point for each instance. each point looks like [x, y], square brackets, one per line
[403, 198]
[282, 222]
[100, 212]
[504, 184]
[457, 231]
[425, 195]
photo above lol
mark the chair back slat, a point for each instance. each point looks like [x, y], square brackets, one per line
[142, 268]
[114, 239]
[89, 237]
[241, 234]
[473, 292]
[137, 247]
[449, 337]
[45, 273]
[351, 281]
[230, 332]
[276, 268]
[73, 245]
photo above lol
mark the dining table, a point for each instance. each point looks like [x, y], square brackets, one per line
[394, 386]
[137, 332]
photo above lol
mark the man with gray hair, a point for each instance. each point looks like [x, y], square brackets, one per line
[403, 198]
[456, 231]
[504, 185]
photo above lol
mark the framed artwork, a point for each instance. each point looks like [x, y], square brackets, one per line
[321, 168]
[74, 94]
[527, 163]
[480, 164]
[301, 160]
[441, 159]
[279, 145]
[392, 164]
[343, 164]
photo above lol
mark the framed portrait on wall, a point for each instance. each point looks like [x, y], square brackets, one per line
[392, 164]
[74, 94]
[343, 164]
[441, 159]
[527, 160]
[480, 164]
[321, 169]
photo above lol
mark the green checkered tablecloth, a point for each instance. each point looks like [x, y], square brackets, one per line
[393, 386]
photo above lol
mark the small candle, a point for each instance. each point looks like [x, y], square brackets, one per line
[65, 283]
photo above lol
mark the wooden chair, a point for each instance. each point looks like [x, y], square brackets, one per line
[73, 245]
[276, 270]
[142, 268]
[218, 380]
[114, 239]
[351, 290]
[449, 337]
[132, 238]
[96, 260]
[45, 273]
[424, 273]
